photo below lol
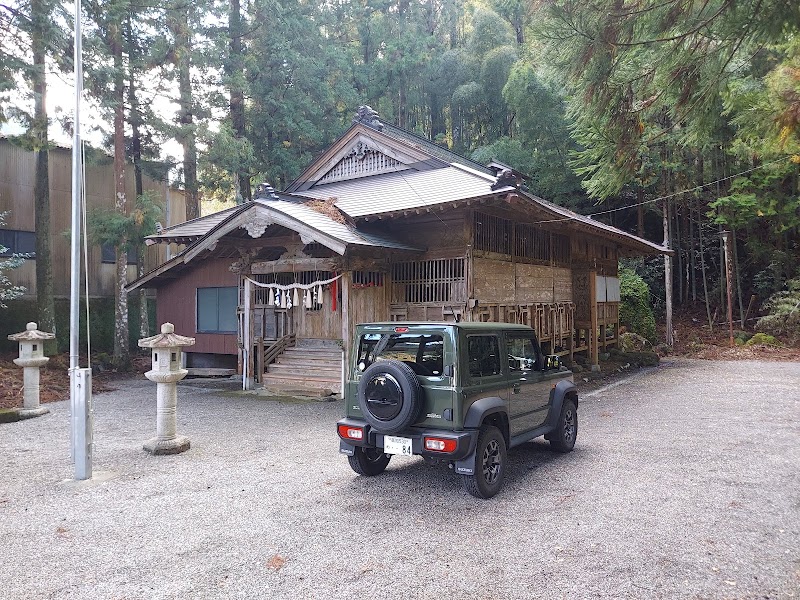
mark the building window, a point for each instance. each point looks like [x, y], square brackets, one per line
[429, 281]
[493, 234]
[109, 254]
[17, 242]
[216, 310]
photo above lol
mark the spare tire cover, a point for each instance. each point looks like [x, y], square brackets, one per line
[389, 395]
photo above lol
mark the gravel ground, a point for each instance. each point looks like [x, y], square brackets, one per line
[685, 483]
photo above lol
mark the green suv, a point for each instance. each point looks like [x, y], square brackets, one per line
[458, 392]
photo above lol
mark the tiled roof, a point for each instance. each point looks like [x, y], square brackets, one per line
[290, 207]
[324, 224]
[434, 150]
[191, 230]
[404, 190]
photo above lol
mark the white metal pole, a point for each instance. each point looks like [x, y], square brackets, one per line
[80, 383]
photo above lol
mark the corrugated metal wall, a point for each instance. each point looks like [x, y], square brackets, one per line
[17, 177]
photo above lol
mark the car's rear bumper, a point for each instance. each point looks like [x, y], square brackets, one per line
[465, 440]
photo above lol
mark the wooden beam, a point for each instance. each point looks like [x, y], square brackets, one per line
[287, 265]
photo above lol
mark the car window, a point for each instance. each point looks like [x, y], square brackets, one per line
[522, 354]
[484, 355]
[423, 353]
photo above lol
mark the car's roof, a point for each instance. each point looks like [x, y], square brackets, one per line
[464, 325]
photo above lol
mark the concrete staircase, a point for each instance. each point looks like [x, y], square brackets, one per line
[309, 369]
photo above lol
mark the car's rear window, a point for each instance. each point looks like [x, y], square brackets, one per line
[423, 353]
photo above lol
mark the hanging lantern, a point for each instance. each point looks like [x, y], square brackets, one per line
[271, 296]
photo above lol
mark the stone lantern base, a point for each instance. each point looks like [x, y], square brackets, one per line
[174, 446]
[29, 413]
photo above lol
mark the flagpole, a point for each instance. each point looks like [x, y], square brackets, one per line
[80, 379]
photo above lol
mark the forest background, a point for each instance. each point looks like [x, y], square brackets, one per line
[673, 119]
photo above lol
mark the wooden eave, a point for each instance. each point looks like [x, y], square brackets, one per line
[211, 239]
[628, 243]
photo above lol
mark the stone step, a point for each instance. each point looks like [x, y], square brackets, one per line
[284, 358]
[301, 370]
[320, 385]
[312, 352]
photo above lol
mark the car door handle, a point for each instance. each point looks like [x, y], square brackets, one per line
[516, 388]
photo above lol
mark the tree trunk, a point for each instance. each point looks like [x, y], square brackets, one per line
[738, 277]
[135, 119]
[703, 268]
[121, 342]
[45, 305]
[187, 135]
[235, 77]
[668, 277]
[640, 212]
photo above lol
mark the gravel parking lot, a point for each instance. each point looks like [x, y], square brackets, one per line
[685, 483]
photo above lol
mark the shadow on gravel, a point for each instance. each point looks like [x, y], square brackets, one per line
[403, 475]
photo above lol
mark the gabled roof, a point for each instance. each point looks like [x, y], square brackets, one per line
[189, 231]
[256, 216]
[405, 190]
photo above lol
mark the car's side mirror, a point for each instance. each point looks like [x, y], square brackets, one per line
[448, 371]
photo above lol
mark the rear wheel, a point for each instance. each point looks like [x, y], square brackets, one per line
[490, 464]
[369, 461]
[562, 438]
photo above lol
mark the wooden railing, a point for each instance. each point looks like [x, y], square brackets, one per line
[268, 356]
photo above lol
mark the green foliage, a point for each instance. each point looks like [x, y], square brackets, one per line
[783, 313]
[101, 323]
[107, 226]
[7, 290]
[635, 311]
[762, 339]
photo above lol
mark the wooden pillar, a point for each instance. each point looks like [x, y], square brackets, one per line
[594, 351]
[345, 282]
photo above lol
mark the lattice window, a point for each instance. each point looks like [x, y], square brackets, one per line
[493, 234]
[532, 242]
[429, 281]
[561, 250]
[363, 279]
[362, 161]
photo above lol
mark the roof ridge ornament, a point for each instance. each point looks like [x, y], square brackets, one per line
[264, 191]
[368, 116]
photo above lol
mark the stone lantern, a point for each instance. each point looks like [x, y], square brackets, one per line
[31, 357]
[166, 372]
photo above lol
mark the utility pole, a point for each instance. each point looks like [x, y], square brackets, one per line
[80, 380]
[726, 238]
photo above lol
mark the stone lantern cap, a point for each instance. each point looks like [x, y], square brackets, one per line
[31, 334]
[166, 339]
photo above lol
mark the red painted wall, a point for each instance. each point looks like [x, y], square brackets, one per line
[176, 302]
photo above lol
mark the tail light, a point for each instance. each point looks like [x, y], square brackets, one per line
[348, 432]
[444, 445]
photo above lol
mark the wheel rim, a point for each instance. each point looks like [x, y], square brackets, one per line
[492, 462]
[569, 426]
[384, 396]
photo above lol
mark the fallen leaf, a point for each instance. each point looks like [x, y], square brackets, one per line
[276, 562]
[61, 530]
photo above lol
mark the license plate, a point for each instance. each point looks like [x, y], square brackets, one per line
[397, 445]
